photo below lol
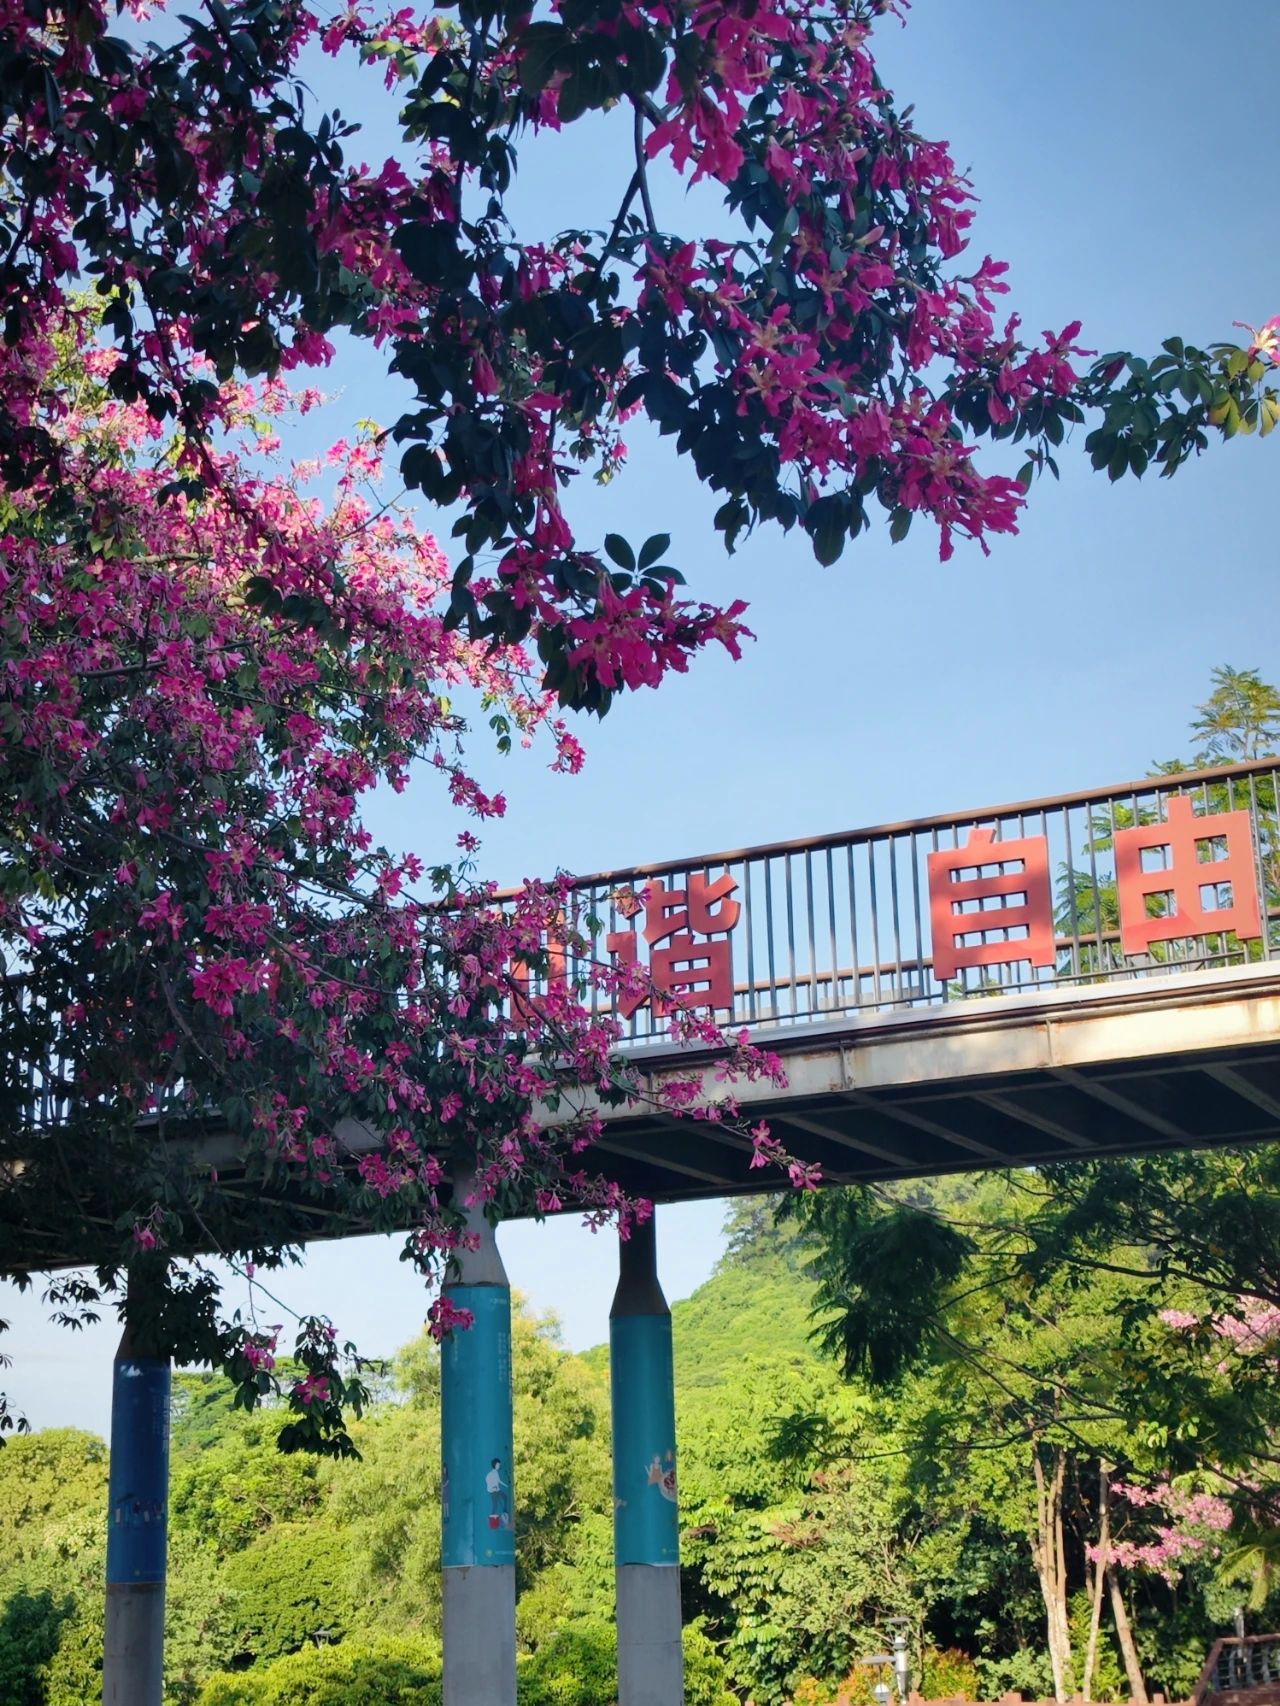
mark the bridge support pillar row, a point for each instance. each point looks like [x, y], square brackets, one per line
[137, 1527]
[646, 1516]
[478, 1552]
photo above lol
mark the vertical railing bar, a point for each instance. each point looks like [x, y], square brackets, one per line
[933, 978]
[831, 920]
[853, 930]
[1259, 868]
[751, 942]
[897, 922]
[768, 928]
[915, 903]
[791, 932]
[1263, 889]
[1021, 983]
[1091, 844]
[1202, 952]
[813, 950]
[1134, 809]
[875, 924]
[1037, 976]
[632, 1022]
[584, 952]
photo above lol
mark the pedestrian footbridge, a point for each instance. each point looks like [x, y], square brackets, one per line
[1096, 973]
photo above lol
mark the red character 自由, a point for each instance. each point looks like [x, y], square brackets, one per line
[1184, 875]
[1014, 875]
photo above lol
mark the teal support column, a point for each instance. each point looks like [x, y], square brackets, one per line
[137, 1531]
[646, 1514]
[477, 1496]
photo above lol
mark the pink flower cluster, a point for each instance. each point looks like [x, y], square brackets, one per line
[1184, 1523]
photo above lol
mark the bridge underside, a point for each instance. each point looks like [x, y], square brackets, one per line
[1151, 1064]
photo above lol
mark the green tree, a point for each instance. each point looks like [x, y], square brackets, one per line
[230, 1490]
[289, 1588]
[31, 1626]
[1240, 719]
[790, 1548]
[1009, 1385]
[1239, 722]
[53, 1500]
[378, 1671]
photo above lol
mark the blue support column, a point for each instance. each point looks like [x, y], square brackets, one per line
[478, 1551]
[646, 1514]
[137, 1532]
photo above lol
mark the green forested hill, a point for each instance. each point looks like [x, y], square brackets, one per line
[754, 1310]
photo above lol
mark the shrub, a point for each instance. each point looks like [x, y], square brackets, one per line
[285, 1588]
[949, 1674]
[577, 1666]
[382, 1671]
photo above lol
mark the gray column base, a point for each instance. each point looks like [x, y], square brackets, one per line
[650, 1655]
[480, 1635]
[133, 1645]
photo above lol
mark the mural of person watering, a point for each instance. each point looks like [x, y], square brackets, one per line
[477, 1477]
[498, 1489]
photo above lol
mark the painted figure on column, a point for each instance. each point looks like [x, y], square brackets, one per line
[662, 1475]
[496, 1487]
[476, 1498]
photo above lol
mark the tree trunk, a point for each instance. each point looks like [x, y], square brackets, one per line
[1128, 1652]
[1099, 1576]
[1049, 1552]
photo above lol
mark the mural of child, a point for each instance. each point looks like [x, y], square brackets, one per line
[497, 1489]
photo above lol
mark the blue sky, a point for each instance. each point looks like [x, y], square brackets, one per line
[1126, 164]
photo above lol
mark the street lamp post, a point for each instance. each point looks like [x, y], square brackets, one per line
[881, 1690]
[901, 1657]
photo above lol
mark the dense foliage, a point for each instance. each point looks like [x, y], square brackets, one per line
[814, 1508]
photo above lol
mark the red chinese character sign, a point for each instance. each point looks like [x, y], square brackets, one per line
[1179, 883]
[693, 967]
[985, 886]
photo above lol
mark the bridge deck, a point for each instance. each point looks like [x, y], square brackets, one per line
[1158, 1063]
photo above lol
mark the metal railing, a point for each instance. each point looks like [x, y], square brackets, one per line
[799, 931]
[1251, 1662]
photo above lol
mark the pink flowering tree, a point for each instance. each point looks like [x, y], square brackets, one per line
[244, 1021]
[203, 667]
[835, 353]
[1170, 1525]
